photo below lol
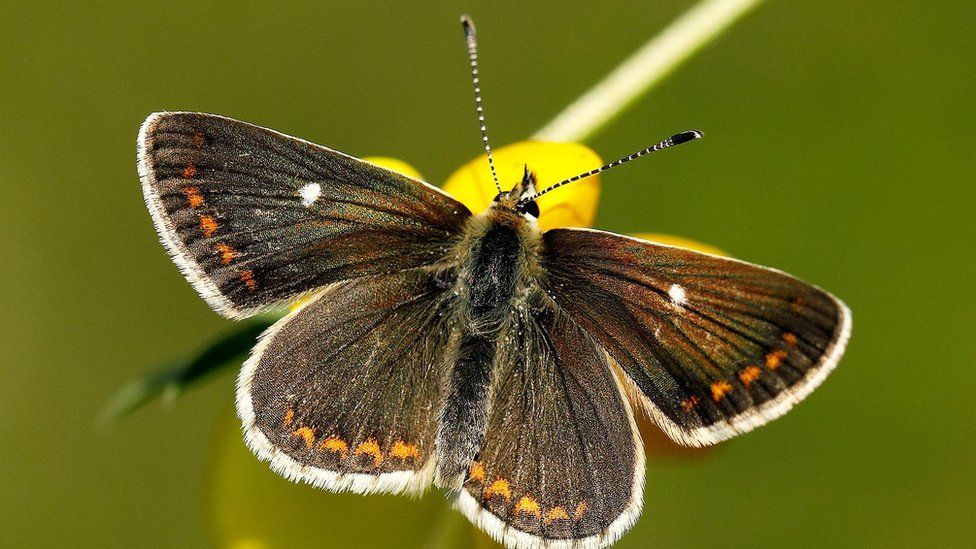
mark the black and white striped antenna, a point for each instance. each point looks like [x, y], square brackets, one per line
[472, 39]
[676, 139]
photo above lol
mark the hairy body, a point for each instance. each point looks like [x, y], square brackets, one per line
[499, 255]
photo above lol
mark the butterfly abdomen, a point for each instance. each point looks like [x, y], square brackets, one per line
[490, 279]
[464, 415]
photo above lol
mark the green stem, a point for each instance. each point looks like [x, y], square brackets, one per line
[644, 69]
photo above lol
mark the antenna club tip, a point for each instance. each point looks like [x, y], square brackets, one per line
[687, 136]
[467, 24]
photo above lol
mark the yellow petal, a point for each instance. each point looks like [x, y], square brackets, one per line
[299, 302]
[396, 165]
[682, 242]
[571, 206]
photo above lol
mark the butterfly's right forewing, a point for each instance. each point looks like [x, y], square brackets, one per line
[714, 346]
[253, 217]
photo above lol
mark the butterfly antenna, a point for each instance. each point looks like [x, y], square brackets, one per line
[676, 139]
[471, 37]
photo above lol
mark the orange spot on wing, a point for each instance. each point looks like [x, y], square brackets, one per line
[189, 171]
[289, 417]
[402, 451]
[556, 513]
[749, 374]
[528, 505]
[790, 339]
[208, 225]
[198, 139]
[193, 196]
[227, 254]
[477, 472]
[775, 359]
[499, 488]
[336, 445]
[370, 447]
[307, 434]
[581, 510]
[689, 403]
[798, 304]
[719, 390]
[247, 277]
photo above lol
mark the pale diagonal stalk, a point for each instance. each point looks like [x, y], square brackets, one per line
[644, 69]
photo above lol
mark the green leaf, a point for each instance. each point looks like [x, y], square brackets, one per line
[173, 378]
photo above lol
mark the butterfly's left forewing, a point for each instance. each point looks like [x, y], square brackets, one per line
[562, 464]
[253, 217]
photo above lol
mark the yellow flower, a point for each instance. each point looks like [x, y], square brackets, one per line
[254, 508]
[574, 206]
[571, 206]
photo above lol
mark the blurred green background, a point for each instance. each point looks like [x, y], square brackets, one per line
[840, 147]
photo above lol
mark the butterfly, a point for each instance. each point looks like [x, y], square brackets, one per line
[471, 351]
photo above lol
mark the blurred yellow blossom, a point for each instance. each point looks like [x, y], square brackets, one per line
[395, 164]
[574, 206]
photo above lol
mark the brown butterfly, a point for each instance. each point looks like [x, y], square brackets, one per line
[471, 351]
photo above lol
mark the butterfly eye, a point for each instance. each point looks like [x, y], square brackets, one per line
[530, 208]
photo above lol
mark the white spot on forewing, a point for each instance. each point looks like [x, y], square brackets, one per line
[677, 294]
[310, 193]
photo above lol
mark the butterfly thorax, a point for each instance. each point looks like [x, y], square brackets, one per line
[498, 259]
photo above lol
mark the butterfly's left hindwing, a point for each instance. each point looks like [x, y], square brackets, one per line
[344, 393]
[714, 346]
[562, 464]
[253, 217]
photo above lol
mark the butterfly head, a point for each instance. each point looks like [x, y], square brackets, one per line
[514, 199]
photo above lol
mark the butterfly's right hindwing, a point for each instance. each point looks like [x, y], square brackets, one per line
[562, 464]
[253, 217]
